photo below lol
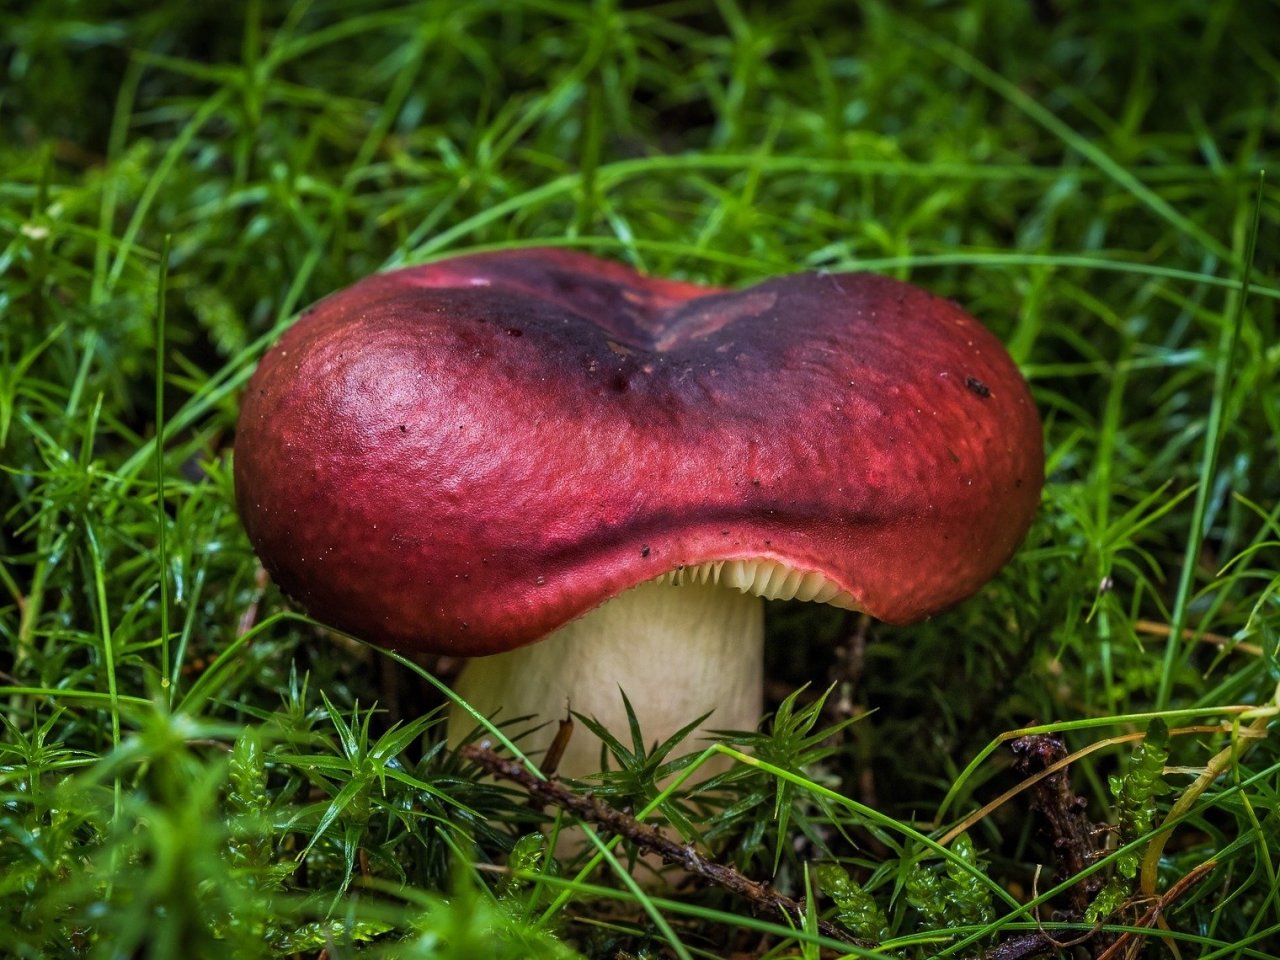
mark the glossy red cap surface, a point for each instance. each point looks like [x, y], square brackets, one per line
[464, 456]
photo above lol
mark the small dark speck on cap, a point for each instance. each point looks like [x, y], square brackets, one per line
[977, 386]
[644, 551]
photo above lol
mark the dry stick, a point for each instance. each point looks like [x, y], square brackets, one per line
[1062, 810]
[1157, 629]
[554, 753]
[1016, 789]
[1020, 948]
[593, 810]
[1043, 760]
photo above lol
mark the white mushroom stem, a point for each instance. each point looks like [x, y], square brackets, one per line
[678, 652]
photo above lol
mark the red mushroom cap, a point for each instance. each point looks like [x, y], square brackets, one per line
[464, 456]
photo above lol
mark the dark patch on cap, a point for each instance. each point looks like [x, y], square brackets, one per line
[977, 386]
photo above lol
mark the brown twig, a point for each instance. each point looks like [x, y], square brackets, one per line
[1042, 760]
[559, 743]
[593, 810]
[977, 816]
[1062, 809]
[1156, 629]
[1021, 948]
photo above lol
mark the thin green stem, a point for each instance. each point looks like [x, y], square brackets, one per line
[162, 517]
[1215, 430]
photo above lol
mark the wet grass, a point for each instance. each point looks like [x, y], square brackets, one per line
[189, 767]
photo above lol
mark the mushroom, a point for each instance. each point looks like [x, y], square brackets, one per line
[587, 478]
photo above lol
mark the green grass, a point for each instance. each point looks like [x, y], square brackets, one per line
[189, 767]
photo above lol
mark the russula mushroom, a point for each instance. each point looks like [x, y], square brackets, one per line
[586, 478]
